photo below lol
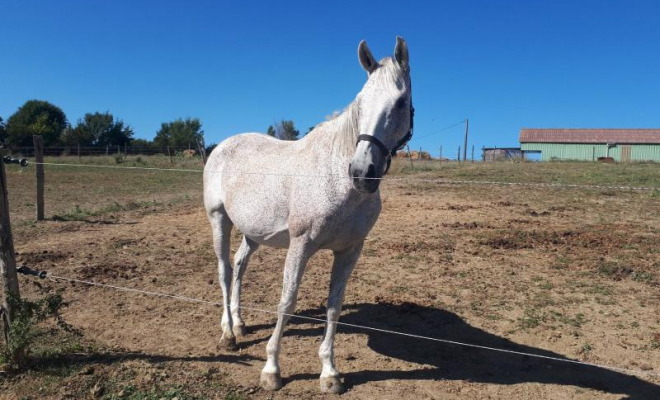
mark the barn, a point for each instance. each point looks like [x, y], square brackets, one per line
[623, 145]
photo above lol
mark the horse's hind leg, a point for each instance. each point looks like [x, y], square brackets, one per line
[221, 226]
[341, 270]
[241, 258]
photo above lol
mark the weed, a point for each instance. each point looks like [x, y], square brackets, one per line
[23, 328]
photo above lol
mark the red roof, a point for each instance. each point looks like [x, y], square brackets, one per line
[651, 136]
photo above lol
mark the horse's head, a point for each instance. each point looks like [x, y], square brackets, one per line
[385, 115]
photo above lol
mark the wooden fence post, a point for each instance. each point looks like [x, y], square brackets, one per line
[459, 154]
[410, 157]
[78, 151]
[440, 158]
[169, 153]
[7, 261]
[202, 150]
[107, 149]
[118, 150]
[473, 153]
[39, 159]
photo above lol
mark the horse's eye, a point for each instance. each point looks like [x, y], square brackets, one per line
[400, 103]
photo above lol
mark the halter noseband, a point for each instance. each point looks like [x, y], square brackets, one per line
[388, 154]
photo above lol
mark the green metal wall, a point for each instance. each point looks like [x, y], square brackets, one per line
[585, 152]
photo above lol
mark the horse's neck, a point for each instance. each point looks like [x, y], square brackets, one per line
[337, 137]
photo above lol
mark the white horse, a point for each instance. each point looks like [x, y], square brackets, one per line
[320, 192]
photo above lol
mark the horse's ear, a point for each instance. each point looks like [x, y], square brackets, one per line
[401, 52]
[367, 59]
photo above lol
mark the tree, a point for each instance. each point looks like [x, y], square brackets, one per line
[76, 136]
[35, 117]
[211, 147]
[101, 129]
[284, 130]
[142, 144]
[3, 132]
[179, 133]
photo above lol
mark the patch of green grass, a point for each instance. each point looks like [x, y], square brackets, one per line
[76, 214]
[645, 277]
[655, 343]
[235, 396]
[531, 319]
[576, 321]
[604, 290]
[168, 393]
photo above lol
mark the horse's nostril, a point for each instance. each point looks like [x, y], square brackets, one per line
[371, 172]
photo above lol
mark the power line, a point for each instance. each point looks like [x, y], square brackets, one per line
[441, 130]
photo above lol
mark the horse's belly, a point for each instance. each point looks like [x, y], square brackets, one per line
[278, 239]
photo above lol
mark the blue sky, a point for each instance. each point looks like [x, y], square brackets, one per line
[240, 66]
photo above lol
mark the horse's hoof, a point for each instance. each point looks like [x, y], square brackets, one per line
[332, 385]
[228, 343]
[271, 381]
[239, 330]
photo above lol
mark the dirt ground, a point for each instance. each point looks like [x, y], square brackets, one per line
[565, 273]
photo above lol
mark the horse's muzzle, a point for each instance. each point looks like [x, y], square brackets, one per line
[366, 181]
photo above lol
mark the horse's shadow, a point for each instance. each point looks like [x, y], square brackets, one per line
[440, 361]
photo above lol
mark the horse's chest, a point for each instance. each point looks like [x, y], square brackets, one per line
[339, 226]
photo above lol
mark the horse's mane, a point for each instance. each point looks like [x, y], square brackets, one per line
[345, 124]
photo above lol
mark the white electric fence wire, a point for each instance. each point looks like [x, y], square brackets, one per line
[446, 341]
[417, 179]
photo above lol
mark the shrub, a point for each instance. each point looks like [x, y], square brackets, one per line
[23, 329]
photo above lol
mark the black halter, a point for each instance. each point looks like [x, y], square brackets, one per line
[387, 153]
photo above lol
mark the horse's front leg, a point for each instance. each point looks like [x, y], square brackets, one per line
[300, 250]
[341, 270]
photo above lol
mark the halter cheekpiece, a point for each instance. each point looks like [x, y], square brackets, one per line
[387, 153]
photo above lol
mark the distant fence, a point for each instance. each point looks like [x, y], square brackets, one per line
[28, 151]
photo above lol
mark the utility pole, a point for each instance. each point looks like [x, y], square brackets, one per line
[467, 124]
